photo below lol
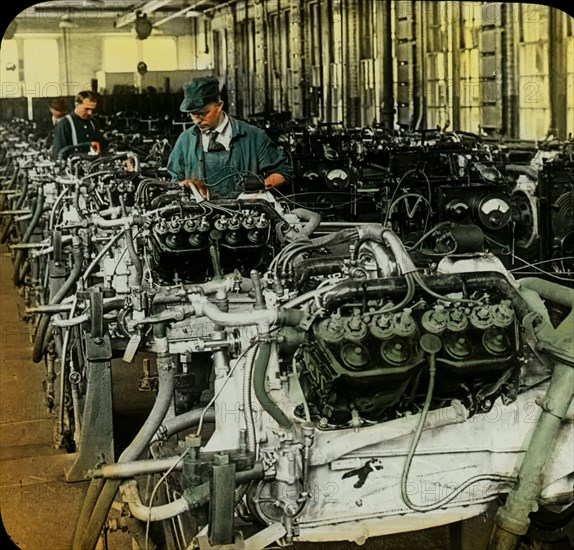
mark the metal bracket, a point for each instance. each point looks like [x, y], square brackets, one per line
[221, 506]
[96, 438]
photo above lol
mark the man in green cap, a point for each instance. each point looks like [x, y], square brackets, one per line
[219, 151]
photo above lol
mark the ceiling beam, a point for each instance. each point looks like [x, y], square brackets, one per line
[147, 7]
[184, 11]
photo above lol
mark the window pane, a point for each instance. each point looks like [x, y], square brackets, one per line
[9, 78]
[160, 54]
[120, 55]
[42, 69]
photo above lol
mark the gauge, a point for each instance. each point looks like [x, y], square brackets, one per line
[494, 212]
[337, 179]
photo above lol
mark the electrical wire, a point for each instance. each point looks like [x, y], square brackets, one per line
[388, 308]
[227, 377]
[533, 265]
[156, 487]
[298, 383]
[411, 452]
[419, 280]
[102, 252]
[544, 262]
[428, 234]
[397, 187]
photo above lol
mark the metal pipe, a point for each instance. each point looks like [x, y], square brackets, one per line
[21, 212]
[239, 319]
[101, 253]
[549, 291]
[130, 495]
[138, 467]
[512, 520]
[313, 220]
[381, 234]
[194, 496]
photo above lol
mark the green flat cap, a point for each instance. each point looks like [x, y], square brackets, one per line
[199, 92]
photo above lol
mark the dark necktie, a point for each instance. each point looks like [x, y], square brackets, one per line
[214, 145]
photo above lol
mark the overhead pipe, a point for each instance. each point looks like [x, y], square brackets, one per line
[146, 7]
[179, 13]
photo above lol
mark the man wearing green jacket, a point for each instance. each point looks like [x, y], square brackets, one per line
[220, 151]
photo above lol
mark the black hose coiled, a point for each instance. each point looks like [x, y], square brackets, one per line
[40, 340]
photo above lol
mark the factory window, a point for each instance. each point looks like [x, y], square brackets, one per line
[160, 53]
[122, 54]
[119, 55]
[42, 70]
[9, 69]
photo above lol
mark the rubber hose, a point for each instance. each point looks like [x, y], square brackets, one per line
[39, 339]
[182, 422]
[247, 404]
[23, 193]
[94, 488]
[30, 229]
[136, 260]
[6, 230]
[259, 374]
[528, 171]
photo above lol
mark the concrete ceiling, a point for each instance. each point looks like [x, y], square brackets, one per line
[109, 15]
[122, 10]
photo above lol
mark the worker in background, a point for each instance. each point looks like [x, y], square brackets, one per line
[58, 109]
[78, 128]
[220, 151]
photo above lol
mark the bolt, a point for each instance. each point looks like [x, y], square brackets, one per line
[220, 459]
[482, 313]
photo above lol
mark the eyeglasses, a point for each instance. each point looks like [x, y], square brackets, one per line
[200, 114]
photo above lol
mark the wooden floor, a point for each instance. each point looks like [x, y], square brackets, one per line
[39, 508]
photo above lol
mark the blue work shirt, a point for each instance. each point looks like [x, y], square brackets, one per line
[251, 151]
[86, 132]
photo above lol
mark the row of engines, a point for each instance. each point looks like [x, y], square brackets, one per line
[327, 343]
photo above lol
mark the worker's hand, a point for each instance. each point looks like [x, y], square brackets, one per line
[197, 184]
[96, 146]
[274, 180]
